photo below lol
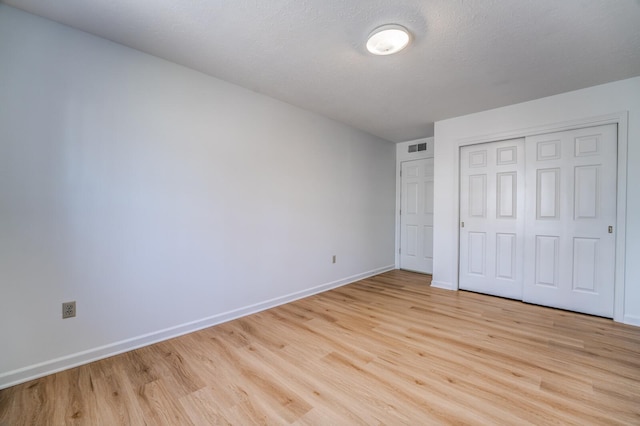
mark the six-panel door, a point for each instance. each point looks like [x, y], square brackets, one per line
[492, 218]
[416, 216]
[570, 247]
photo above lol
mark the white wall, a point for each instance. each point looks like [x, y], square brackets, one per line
[617, 101]
[163, 200]
[403, 154]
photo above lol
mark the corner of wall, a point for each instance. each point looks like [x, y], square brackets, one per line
[443, 285]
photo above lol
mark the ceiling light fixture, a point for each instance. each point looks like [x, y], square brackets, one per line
[388, 39]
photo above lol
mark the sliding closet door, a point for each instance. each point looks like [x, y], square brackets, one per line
[492, 218]
[570, 214]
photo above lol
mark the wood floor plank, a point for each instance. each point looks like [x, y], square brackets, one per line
[389, 349]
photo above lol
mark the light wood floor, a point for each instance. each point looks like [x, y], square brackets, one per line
[389, 349]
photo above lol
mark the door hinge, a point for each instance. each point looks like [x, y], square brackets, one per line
[399, 250]
[400, 212]
[400, 173]
[462, 224]
[611, 229]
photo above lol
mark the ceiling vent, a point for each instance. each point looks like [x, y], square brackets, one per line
[418, 147]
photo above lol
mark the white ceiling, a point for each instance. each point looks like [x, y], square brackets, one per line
[466, 55]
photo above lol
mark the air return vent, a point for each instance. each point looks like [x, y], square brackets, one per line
[418, 147]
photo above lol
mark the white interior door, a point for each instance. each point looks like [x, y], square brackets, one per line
[416, 216]
[492, 218]
[571, 205]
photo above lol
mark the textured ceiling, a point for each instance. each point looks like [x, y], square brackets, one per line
[466, 55]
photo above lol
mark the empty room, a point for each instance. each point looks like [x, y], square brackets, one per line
[319, 212]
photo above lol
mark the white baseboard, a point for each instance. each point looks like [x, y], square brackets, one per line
[443, 285]
[632, 320]
[21, 375]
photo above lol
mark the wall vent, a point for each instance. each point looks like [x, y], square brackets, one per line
[418, 147]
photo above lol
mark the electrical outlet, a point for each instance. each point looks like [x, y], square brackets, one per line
[68, 309]
[333, 259]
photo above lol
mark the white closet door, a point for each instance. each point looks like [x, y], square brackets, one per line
[492, 218]
[416, 216]
[571, 205]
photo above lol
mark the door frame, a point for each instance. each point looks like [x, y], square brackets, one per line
[403, 155]
[621, 120]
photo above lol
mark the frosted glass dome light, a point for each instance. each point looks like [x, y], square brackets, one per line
[388, 39]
